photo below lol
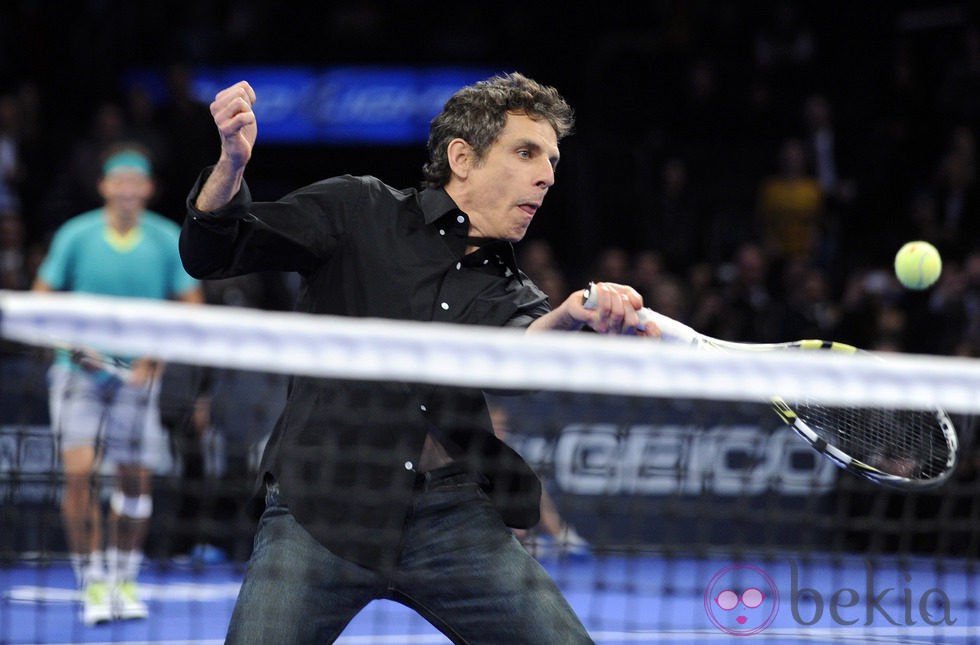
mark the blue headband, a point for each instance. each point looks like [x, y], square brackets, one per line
[127, 160]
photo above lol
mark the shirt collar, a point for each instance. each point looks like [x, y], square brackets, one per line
[436, 203]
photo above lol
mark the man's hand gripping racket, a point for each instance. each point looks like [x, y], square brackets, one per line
[907, 449]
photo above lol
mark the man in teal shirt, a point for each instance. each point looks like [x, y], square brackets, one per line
[120, 249]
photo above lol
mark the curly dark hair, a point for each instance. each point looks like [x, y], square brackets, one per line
[477, 113]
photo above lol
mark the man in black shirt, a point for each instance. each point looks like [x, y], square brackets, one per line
[400, 490]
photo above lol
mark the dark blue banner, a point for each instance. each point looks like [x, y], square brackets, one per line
[337, 105]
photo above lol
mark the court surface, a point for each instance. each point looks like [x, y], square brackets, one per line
[622, 599]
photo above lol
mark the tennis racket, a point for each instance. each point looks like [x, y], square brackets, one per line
[906, 449]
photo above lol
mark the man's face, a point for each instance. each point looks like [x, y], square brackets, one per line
[126, 191]
[504, 190]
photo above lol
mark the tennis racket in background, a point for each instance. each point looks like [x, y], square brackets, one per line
[905, 449]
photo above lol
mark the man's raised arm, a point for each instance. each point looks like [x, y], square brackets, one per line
[236, 123]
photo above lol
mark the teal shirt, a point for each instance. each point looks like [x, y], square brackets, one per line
[86, 256]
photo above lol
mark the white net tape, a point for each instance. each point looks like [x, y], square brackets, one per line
[477, 356]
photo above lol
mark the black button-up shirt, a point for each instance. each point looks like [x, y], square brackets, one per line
[343, 452]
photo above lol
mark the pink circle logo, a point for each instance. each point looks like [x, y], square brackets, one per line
[741, 600]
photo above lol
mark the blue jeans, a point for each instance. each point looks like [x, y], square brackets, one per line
[461, 569]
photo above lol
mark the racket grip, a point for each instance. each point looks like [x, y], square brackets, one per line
[671, 330]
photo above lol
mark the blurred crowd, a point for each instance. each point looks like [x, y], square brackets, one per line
[751, 170]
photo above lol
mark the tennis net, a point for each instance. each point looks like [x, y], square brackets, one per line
[679, 507]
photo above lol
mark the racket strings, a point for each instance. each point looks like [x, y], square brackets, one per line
[903, 443]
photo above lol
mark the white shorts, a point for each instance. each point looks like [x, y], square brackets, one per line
[121, 421]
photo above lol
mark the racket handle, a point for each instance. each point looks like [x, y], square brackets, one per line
[671, 330]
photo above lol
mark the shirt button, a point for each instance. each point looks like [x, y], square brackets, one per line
[445, 306]
[459, 265]
[460, 219]
[442, 231]
[409, 465]
[423, 408]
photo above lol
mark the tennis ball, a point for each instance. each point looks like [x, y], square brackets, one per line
[918, 265]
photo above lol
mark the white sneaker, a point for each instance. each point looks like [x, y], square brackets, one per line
[126, 603]
[96, 604]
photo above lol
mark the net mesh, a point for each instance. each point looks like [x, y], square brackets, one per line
[678, 506]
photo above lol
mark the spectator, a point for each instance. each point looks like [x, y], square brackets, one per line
[184, 119]
[706, 305]
[970, 342]
[785, 47]
[537, 255]
[11, 168]
[539, 262]
[612, 265]
[809, 310]
[824, 149]
[747, 297]
[668, 297]
[957, 204]
[790, 207]
[866, 294]
[13, 263]
[674, 227]
[646, 271]
[938, 319]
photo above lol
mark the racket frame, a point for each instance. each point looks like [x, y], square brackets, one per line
[677, 332]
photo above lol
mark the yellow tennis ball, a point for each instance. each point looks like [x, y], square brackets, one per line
[918, 265]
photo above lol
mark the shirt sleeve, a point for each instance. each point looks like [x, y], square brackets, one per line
[55, 269]
[532, 303]
[295, 233]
